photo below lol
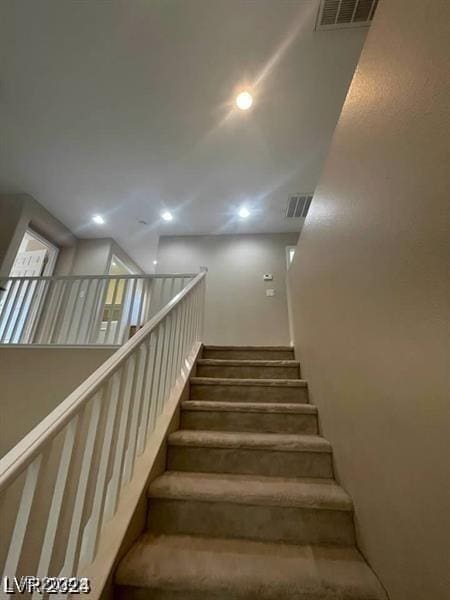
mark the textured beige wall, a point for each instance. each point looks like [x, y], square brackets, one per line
[34, 380]
[371, 298]
[237, 308]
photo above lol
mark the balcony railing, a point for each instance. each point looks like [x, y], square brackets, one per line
[82, 310]
[64, 480]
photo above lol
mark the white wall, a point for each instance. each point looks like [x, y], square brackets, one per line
[93, 257]
[34, 380]
[237, 308]
[371, 298]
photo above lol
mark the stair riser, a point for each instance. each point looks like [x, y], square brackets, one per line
[249, 393]
[249, 462]
[123, 592]
[249, 354]
[249, 422]
[248, 372]
[266, 523]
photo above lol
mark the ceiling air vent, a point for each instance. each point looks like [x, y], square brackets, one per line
[334, 14]
[298, 206]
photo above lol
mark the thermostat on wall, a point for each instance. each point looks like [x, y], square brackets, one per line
[268, 277]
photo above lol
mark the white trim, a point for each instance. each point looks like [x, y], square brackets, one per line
[21, 456]
[53, 250]
[138, 276]
[61, 346]
[114, 535]
[120, 262]
[126, 407]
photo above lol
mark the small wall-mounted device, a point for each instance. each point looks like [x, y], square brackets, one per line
[270, 292]
[268, 277]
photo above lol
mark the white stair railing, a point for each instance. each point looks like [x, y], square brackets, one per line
[62, 482]
[82, 310]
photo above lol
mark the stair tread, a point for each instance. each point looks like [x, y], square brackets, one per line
[244, 569]
[285, 442]
[225, 362]
[280, 348]
[256, 382]
[324, 494]
[254, 407]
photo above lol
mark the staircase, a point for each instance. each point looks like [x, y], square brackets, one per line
[248, 507]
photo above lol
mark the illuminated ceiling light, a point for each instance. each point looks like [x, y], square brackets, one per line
[244, 212]
[244, 100]
[167, 216]
[155, 262]
[98, 219]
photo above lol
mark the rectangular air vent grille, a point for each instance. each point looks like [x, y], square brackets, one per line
[334, 14]
[298, 206]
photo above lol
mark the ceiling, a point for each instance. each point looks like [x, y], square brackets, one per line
[125, 108]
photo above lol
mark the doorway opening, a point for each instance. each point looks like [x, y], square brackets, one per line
[120, 299]
[24, 296]
[36, 256]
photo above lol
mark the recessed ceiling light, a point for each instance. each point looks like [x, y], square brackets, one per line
[98, 219]
[244, 212]
[114, 264]
[244, 100]
[155, 262]
[166, 215]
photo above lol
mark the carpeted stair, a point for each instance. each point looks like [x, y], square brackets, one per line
[248, 507]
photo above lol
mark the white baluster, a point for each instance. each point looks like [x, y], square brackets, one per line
[48, 545]
[73, 486]
[74, 313]
[163, 368]
[49, 312]
[6, 306]
[14, 304]
[23, 311]
[131, 308]
[172, 344]
[23, 515]
[35, 313]
[125, 416]
[146, 394]
[154, 379]
[82, 315]
[136, 398]
[62, 322]
[115, 283]
[96, 518]
[77, 525]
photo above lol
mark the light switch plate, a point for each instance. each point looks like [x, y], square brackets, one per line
[270, 292]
